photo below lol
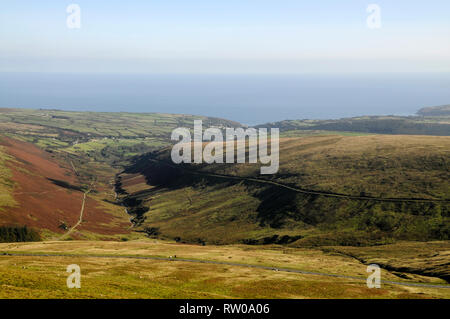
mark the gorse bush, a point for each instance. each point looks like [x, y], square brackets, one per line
[10, 234]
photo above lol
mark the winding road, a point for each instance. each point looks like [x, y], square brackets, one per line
[301, 190]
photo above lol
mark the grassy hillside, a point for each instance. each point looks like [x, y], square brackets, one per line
[346, 190]
[6, 184]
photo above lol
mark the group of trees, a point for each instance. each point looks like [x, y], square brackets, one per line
[10, 234]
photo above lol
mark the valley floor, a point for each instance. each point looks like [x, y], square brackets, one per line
[159, 269]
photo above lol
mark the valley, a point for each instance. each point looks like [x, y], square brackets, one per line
[100, 189]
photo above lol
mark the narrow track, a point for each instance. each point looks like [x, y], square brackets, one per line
[80, 220]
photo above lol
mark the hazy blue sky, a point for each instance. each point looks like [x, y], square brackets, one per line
[231, 36]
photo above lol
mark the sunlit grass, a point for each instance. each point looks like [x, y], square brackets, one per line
[39, 277]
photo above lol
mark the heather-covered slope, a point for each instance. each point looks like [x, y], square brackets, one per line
[44, 193]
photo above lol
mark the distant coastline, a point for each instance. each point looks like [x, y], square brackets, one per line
[249, 99]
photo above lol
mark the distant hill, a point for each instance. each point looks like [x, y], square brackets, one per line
[412, 125]
[443, 110]
[82, 126]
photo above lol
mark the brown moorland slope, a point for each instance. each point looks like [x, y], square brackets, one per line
[49, 197]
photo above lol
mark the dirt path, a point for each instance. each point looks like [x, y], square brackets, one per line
[80, 219]
[301, 190]
[74, 169]
[297, 271]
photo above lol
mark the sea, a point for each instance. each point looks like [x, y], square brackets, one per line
[246, 98]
